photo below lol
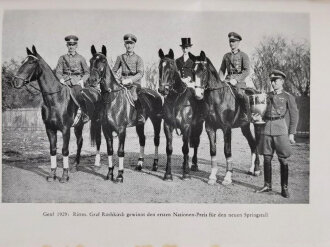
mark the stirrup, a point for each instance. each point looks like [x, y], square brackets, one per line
[77, 118]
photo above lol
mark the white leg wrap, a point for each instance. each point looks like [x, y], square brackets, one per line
[253, 159]
[213, 174]
[97, 159]
[121, 163]
[53, 163]
[110, 161]
[141, 152]
[66, 162]
[214, 162]
[156, 153]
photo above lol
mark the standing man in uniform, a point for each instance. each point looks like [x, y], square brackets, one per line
[72, 70]
[276, 135]
[237, 65]
[132, 71]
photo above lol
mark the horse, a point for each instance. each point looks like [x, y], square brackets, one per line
[58, 112]
[223, 113]
[119, 113]
[179, 113]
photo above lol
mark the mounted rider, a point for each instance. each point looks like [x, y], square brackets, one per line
[237, 65]
[72, 70]
[132, 71]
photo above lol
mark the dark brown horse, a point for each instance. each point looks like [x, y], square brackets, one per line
[58, 111]
[180, 112]
[119, 112]
[223, 113]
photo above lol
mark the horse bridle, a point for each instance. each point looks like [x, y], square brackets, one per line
[203, 74]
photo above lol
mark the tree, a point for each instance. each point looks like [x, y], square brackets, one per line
[293, 58]
[151, 76]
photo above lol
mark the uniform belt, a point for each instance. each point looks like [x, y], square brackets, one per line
[274, 118]
[72, 73]
[128, 74]
[235, 73]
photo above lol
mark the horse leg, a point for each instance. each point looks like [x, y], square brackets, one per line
[157, 122]
[185, 151]
[107, 132]
[65, 153]
[96, 125]
[78, 133]
[211, 133]
[168, 129]
[142, 141]
[121, 154]
[52, 137]
[195, 140]
[253, 146]
[227, 149]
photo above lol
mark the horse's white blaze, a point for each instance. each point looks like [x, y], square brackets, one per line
[97, 159]
[121, 163]
[164, 64]
[53, 163]
[253, 159]
[156, 153]
[65, 162]
[110, 161]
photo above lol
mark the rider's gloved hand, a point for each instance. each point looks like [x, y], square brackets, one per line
[62, 81]
[126, 81]
[81, 83]
[233, 82]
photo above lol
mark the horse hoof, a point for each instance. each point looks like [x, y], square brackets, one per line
[154, 168]
[212, 181]
[119, 180]
[226, 182]
[51, 178]
[186, 177]
[250, 173]
[168, 177]
[194, 168]
[64, 179]
[257, 173]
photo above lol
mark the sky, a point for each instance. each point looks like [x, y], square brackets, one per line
[208, 31]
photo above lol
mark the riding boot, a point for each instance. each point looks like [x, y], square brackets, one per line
[284, 178]
[245, 105]
[65, 176]
[52, 175]
[267, 174]
[140, 118]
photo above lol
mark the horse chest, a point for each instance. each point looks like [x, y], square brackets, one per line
[52, 117]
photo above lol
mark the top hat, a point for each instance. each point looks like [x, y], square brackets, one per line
[186, 42]
[71, 39]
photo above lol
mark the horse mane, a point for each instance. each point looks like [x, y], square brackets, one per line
[216, 81]
[46, 66]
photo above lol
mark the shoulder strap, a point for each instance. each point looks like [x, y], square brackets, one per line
[123, 59]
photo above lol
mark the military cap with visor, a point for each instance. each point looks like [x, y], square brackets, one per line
[130, 38]
[276, 74]
[71, 39]
[234, 36]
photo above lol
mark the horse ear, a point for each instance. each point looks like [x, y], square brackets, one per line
[191, 56]
[171, 54]
[104, 50]
[28, 51]
[161, 54]
[203, 56]
[34, 50]
[93, 50]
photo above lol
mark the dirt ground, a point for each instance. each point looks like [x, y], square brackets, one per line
[26, 163]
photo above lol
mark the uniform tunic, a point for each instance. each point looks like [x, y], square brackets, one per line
[185, 67]
[136, 68]
[72, 68]
[274, 134]
[237, 66]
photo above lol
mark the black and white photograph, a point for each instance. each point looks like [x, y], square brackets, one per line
[211, 110]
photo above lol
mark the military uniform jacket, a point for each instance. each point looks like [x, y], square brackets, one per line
[185, 67]
[72, 68]
[237, 66]
[136, 68]
[278, 105]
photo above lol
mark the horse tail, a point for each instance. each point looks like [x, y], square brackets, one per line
[95, 131]
[151, 101]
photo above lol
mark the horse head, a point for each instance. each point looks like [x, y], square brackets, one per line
[98, 64]
[200, 73]
[29, 70]
[167, 68]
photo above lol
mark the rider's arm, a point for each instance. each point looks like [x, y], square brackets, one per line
[294, 114]
[117, 65]
[222, 69]
[59, 69]
[245, 68]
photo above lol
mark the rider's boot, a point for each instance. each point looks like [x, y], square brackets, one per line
[284, 177]
[245, 105]
[267, 175]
